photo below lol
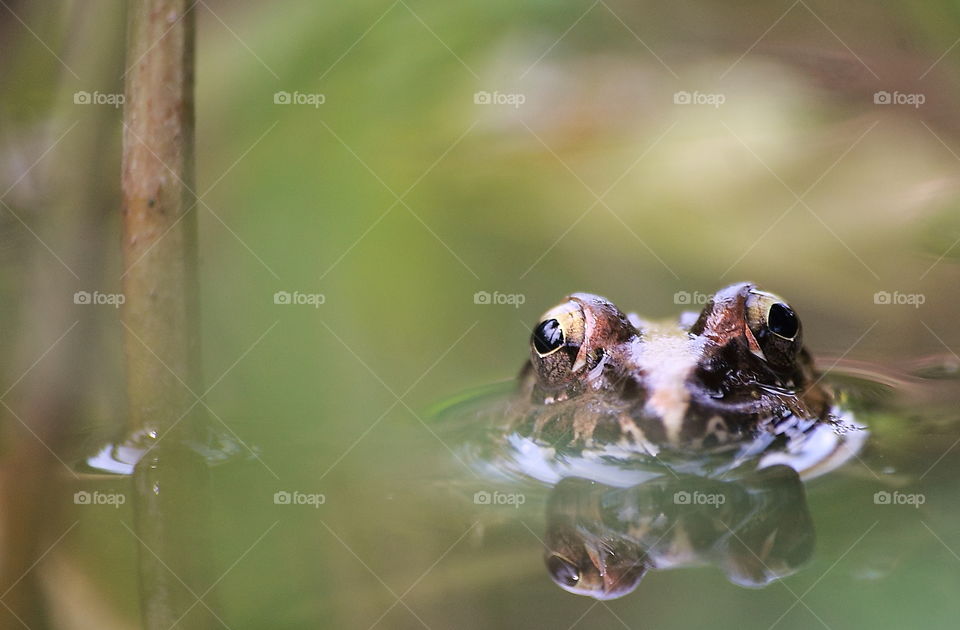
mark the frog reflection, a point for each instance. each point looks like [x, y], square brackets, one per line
[602, 540]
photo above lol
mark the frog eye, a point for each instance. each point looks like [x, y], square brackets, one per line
[573, 338]
[563, 572]
[562, 326]
[775, 329]
[547, 337]
[782, 321]
[555, 343]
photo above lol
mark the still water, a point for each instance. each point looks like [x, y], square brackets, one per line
[521, 535]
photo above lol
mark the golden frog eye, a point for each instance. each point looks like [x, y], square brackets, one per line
[775, 327]
[766, 311]
[555, 344]
[782, 321]
[574, 337]
[547, 337]
[560, 326]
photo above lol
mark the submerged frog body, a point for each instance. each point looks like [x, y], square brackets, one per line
[599, 376]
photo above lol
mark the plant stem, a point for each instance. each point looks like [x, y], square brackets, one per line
[159, 222]
[161, 314]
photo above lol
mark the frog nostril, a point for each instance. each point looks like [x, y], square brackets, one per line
[547, 336]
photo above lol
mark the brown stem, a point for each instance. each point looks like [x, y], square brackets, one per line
[160, 313]
[159, 221]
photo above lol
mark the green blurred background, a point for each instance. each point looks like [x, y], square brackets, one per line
[401, 196]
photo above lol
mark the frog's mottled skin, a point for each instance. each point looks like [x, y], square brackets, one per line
[598, 376]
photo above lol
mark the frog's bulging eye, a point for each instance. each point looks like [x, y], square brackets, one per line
[547, 337]
[573, 337]
[782, 321]
[555, 343]
[774, 329]
[563, 571]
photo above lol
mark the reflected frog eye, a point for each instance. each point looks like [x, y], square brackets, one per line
[563, 572]
[775, 327]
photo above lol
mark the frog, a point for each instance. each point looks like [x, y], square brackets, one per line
[629, 424]
[738, 368]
